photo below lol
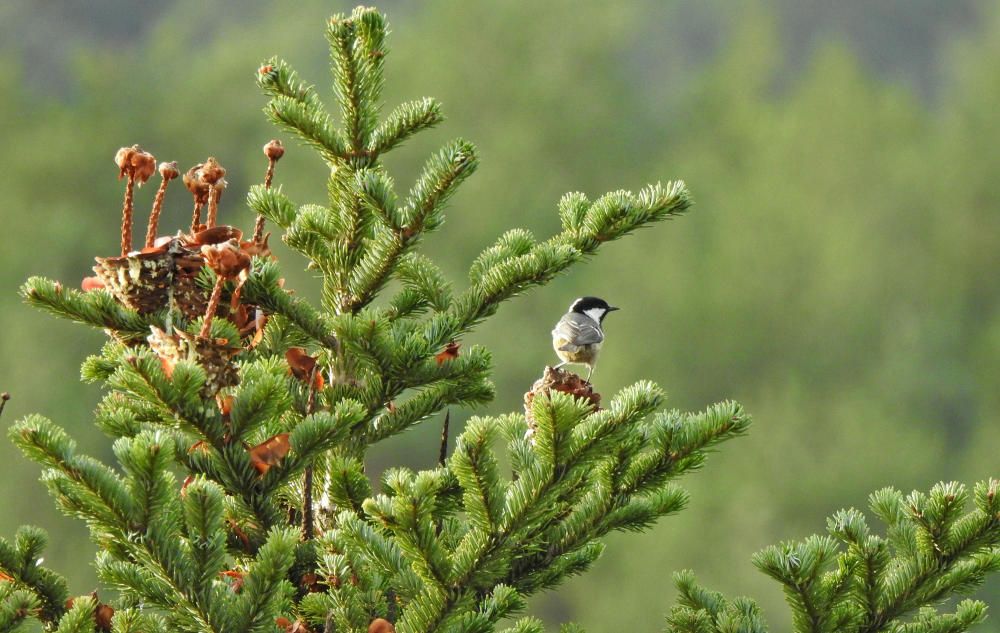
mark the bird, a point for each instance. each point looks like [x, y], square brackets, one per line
[578, 335]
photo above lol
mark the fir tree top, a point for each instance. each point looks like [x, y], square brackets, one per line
[241, 413]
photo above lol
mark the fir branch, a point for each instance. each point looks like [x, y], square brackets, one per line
[618, 213]
[31, 589]
[373, 270]
[928, 581]
[478, 474]
[308, 529]
[15, 606]
[272, 205]
[408, 514]
[143, 582]
[636, 501]
[357, 51]
[526, 625]
[422, 276]
[218, 459]
[403, 122]
[83, 485]
[375, 188]
[313, 436]
[512, 244]
[80, 617]
[348, 487]
[422, 212]
[443, 451]
[296, 107]
[515, 265]
[437, 183]
[97, 308]
[703, 611]
[203, 517]
[86, 488]
[262, 288]
[874, 583]
[513, 525]
[432, 398]
[265, 587]
[316, 232]
[508, 279]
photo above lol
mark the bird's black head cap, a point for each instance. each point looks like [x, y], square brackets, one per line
[583, 304]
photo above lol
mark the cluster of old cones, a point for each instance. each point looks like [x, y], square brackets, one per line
[163, 275]
[556, 379]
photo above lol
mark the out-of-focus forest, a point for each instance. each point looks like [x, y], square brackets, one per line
[839, 275]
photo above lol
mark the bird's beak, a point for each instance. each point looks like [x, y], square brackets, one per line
[612, 308]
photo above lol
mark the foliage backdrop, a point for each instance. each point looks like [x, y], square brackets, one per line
[838, 275]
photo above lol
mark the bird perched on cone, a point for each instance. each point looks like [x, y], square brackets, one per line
[578, 335]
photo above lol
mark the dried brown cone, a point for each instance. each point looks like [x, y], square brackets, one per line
[258, 247]
[215, 235]
[136, 163]
[103, 613]
[213, 202]
[140, 281]
[150, 280]
[212, 172]
[227, 260]
[213, 175]
[556, 379]
[381, 625]
[274, 150]
[192, 299]
[199, 191]
[288, 626]
[137, 166]
[168, 171]
[161, 276]
[212, 355]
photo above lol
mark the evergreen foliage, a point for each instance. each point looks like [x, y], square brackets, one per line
[855, 581]
[276, 524]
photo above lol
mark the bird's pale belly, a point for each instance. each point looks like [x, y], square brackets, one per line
[585, 354]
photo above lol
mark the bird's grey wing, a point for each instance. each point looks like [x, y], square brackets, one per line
[577, 330]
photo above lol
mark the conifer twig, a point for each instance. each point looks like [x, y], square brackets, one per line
[127, 209]
[4, 397]
[442, 458]
[168, 171]
[262, 289]
[214, 175]
[443, 453]
[199, 192]
[213, 207]
[97, 309]
[213, 306]
[274, 151]
[227, 261]
[196, 215]
[137, 166]
[214, 194]
[308, 521]
[308, 528]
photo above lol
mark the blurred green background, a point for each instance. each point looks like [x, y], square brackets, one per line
[838, 275]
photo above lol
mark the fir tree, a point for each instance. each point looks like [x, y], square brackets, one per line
[241, 415]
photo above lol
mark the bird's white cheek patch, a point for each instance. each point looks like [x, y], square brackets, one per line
[595, 313]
